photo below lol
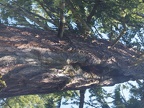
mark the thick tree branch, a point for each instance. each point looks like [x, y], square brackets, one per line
[36, 61]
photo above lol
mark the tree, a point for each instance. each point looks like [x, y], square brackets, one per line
[89, 17]
[30, 101]
[98, 98]
[135, 98]
[34, 60]
[82, 97]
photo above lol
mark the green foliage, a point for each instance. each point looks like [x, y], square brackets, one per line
[31, 101]
[103, 16]
[135, 99]
[118, 100]
[97, 98]
[2, 83]
[52, 100]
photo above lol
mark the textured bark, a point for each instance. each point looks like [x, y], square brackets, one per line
[36, 61]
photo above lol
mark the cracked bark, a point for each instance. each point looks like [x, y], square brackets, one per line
[37, 62]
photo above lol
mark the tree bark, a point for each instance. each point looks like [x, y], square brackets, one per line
[38, 62]
[82, 96]
[62, 19]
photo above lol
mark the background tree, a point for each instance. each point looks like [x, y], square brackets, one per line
[31, 101]
[115, 18]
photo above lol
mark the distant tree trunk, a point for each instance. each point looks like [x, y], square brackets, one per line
[59, 103]
[62, 19]
[82, 96]
[37, 62]
[81, 23]
[120, 35]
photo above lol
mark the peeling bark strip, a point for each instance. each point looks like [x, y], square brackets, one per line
[36, 61]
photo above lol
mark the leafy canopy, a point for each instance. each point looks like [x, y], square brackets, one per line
[116, 18]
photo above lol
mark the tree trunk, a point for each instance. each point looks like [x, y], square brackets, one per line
[38, 62]
[62, 19]
[82, 96]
